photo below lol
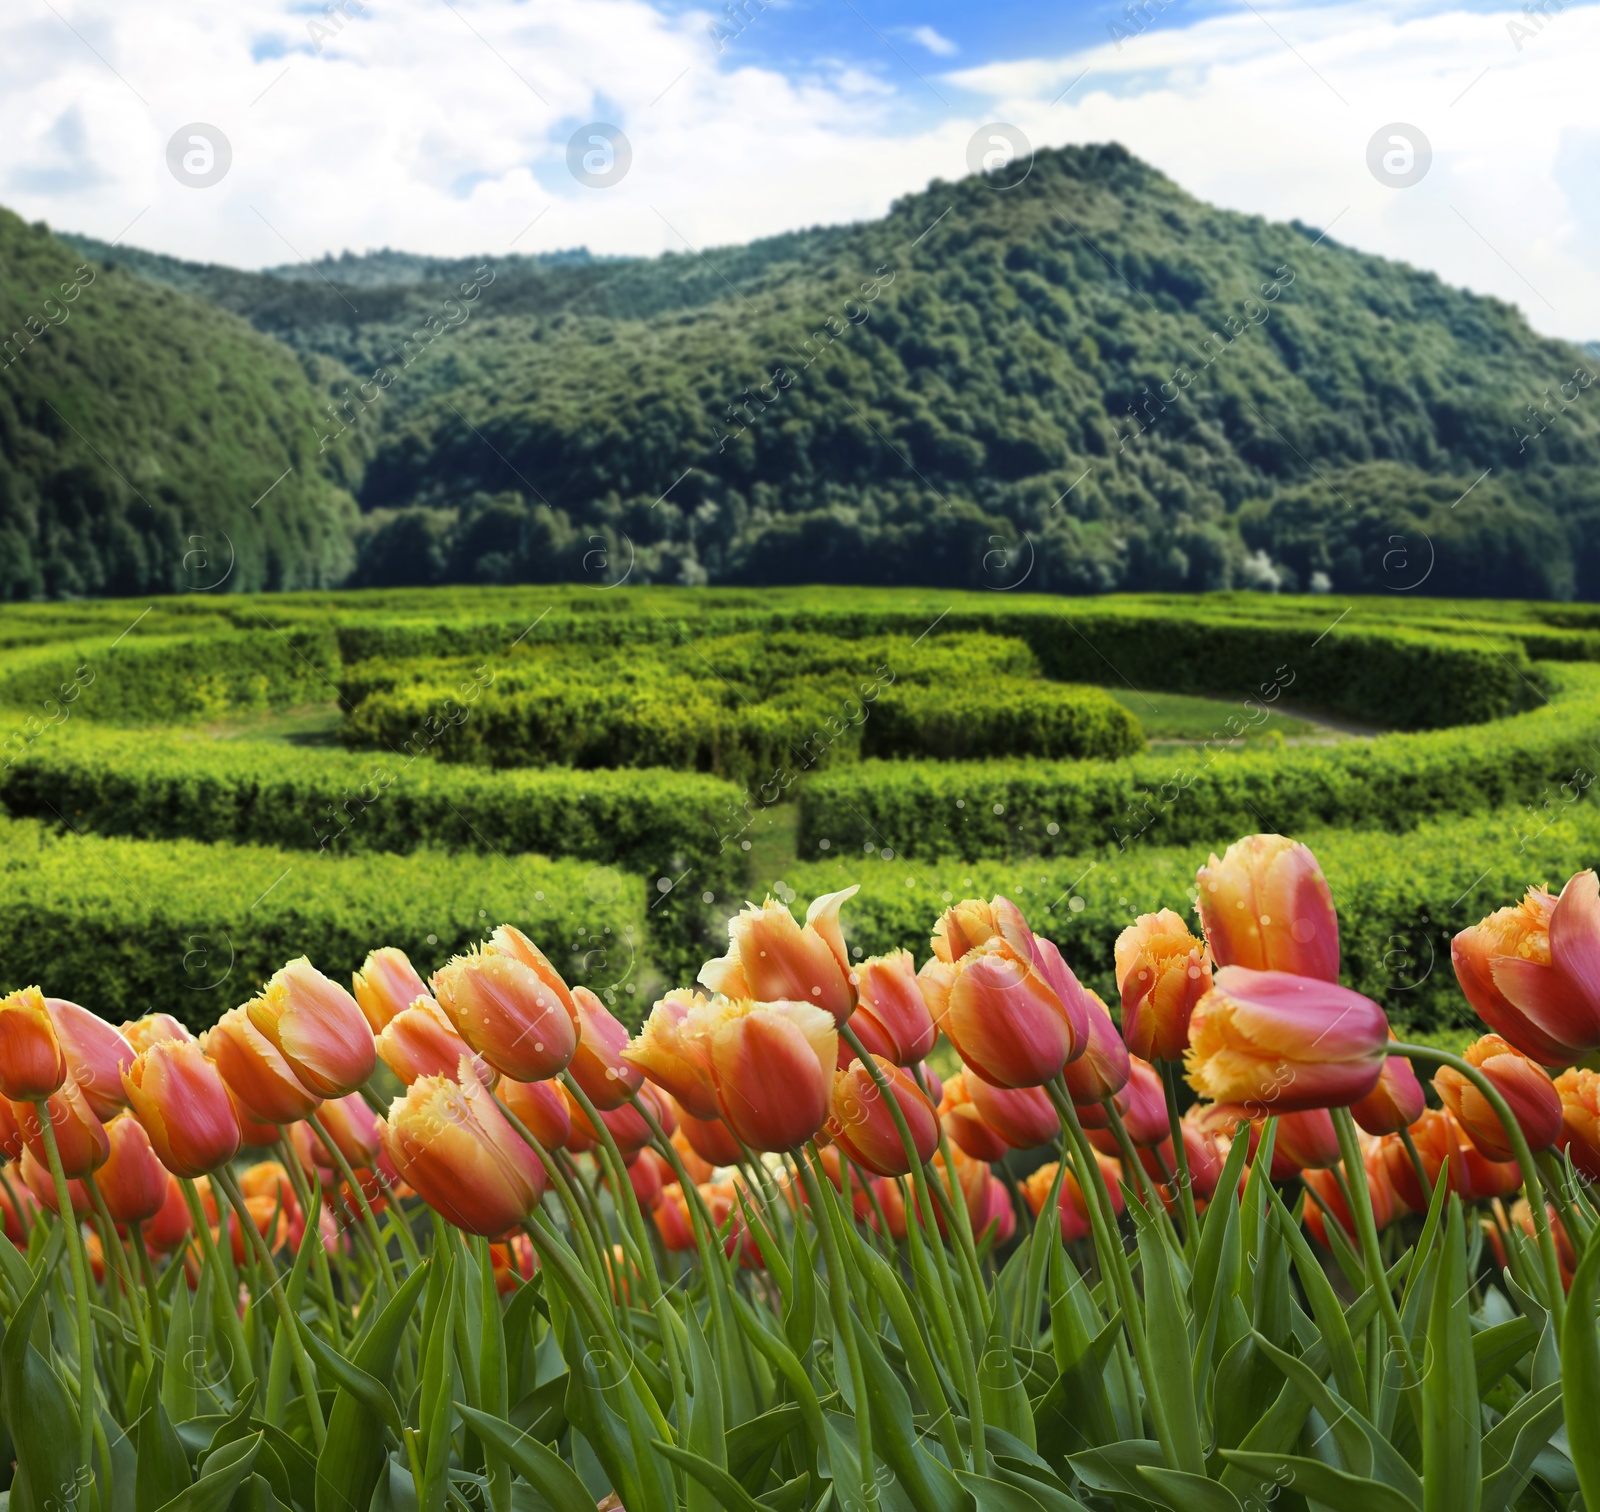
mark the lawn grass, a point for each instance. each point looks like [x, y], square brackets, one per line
[1187, 717]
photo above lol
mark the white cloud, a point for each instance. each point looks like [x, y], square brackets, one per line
[443, 128]
[927, 37]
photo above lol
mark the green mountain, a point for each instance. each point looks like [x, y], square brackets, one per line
[151, 442]
[1086, 381]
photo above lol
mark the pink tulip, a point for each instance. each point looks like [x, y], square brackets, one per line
[1266, 905]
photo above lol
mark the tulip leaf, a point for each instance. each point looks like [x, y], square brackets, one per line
[1336, 1489]
[792, 1496]
[1498, 1348]
[1330, 1317]
[800, 1316]
[705, 1435]
[1580, 1379]
[435, 1402]
[752, 1444]
[353, 1455]
[1115, 1468]
[1167, 1336]
[163, 1467]
[1451, 1437]
[1188, 1493]
[990, 1495]
[1074, 1321]
[179, 1393]
[726, 1491]
[787, 1364]
[539, 1465]
[926, 1481]
[541, 1413]
[1051, 1494]
[38, 1411]
[1512, 1445]
[221, 1475]
[257, 1495]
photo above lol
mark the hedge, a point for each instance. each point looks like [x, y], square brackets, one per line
[129, 926]
[1009, 808]
[153, 785]
[1400, 897]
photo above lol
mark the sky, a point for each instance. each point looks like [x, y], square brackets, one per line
[1459, 137]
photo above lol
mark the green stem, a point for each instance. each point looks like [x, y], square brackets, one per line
[109, 1242]
[241, 1369]
[368, 1217]
[146, 1271]
[311, 1212]
[1180, 1153]
[79, 1261]
[1417, 1166]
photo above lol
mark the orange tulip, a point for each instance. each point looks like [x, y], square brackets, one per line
[97, 1055]
[183, 1103]
[673, 1054]
[1162, 972]
[1326, 1187]
[891, 1015]
[1266, 906]
[772, 1065]
[626, 1124]
[1305, 1141]
[597, 1065]
[353, 1127]
[150, 1030]
[1146, 1113]
[132, 1181]
[453, 1145]
[1488, 1178]
[1532, 971]
[710, 1139]
[1023, 1117]
[10, 1134]
[1579, 1091]
[965, 1123]
[37, 1178]
[699, 1168]
[862, 1124]
[1437, 1137]
[994, 1210]
[386, 985]
[263, 1211]
[81, 1138]
[672, 1219]
[1395, 1103]
[514, 1263]
[170, 1227]
[1074, 1213]
[1521, 1080]
[1013, 1010]
[16, 1221]
[1207, 1153]
[32, 1061]
[647, 1173]
[1280, 1043]
[506, 1011]
[541, 1108]
[510, 941]
[1102, 1070]
[270, 1179]
[421, 1041]
[772, 959]
[317, 1027]
[259, 1077]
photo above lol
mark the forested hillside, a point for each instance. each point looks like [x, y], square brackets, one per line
[1088, 381]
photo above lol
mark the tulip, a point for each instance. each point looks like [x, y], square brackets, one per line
[453, 1145]
[421, 1041]
[891, 1009]
[699, 1168]
[10, 1134]
[1073, 1210]
[353, 1128]
[97, 1054]
[1162, 972]
[16, 1221]
[132, 1181]
[1487, 1178]
[183, 1103]
[259, 1077]
[263, 1211]
[647, 1173]
[36, 1176]
[1102, 1070]
[1266, 906]
[1280, 1043]
[772, 1065]
[1325, 1185]
[32, 1061]
[1304, 1141]
[270, 1179]
[971, 924]
[608, 1081]
[670, 1051]
[170, 1227]
[994, 1209]
[510, 941]
[1207, 1154]
[501, 1006]
[710, 1139]
[541, 1109]
[1532, 971]
[626, 1125]
[1438, 1142]
[1146, 1113]
[1395, 1103]
[317, 1027]
[1521, 1216]
[1024, 1117]
[772, 959]
[1014, 1012]
[1520, 1080]
[863, 1126]
[387, 985]
[81, 1138]
[672, 1219]
[150, 1030]
[1579, 1091]
[965, 1124]
[514, 1263]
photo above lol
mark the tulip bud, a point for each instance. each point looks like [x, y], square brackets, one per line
[353, 1127]
[132, 1181]
[772, 1065]
[183, 1103]
[317, 1027]
[1579, 1091]
[1438, 1141]
[32, 1061]
[608, 1081]
[514, 1263]
[270, 1179]
[1162, 972]
[81, 1138]
[170, 1227]
[1532, 971]
[16, 1221]
[1103, 1069]
[453, 1145]
[386, 985]
[510, 941]
[1024, 1117]
[421, 1041]
[541, 1108]
[994, 1210]
[1522, 1081]
[1386, 1205]
[257, 1075]
[10, 1134]
[97, 1054]
[772, 959]
[700, 1169]
[710, 1139]
[672, 1219]
[673, 1055]
[152, 1029]
[891, 1010]
[863, 1126]
[41, 1184]
[965, 1124]
[1073, 1211]
[1266, 906]
[626, 1125]
[1280, 1043]
[1395, 1103]
[504, 1009]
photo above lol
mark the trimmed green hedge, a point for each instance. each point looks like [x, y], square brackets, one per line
[1009, 808]
[153, 785]
[1400, 897]
[129, 926]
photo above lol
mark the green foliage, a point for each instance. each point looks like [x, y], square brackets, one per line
[131, 926]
